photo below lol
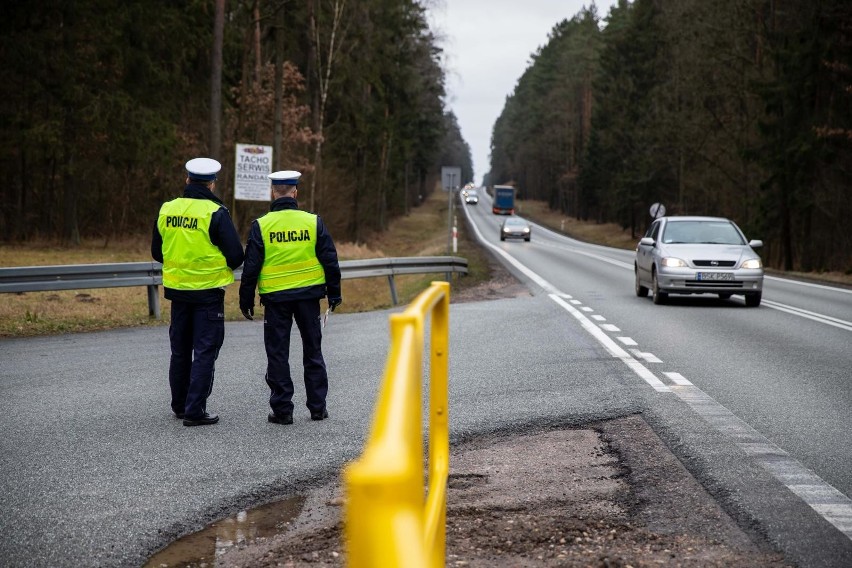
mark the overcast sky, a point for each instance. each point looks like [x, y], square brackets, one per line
[487, 45]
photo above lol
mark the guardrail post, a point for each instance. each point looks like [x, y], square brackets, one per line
[392, 289]
[153, 301]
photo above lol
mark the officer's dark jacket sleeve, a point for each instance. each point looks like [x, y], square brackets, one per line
[157, 244]
[327, 255]
[251, 266]
[224, 235]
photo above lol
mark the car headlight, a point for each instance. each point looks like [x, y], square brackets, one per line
[752, 263]
[672, 262]
[507, 230]
[526, 229]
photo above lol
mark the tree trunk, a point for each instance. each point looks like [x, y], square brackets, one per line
[277, 140]
[216, 81]
[324, 78]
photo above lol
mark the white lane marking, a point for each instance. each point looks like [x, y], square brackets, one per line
[627, 340]
[576, 302]
[598, 318]
[831, 504]
[809, 284]
[610, 327]
[821, 318]
[612, 346]
[649, 357]
[678, 379]
[588, 309]
[619, 263]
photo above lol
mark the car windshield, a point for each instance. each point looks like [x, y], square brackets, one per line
[516, 222]
[472, 193]
[702, 232]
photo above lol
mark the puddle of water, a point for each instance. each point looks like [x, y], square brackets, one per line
[205, 545]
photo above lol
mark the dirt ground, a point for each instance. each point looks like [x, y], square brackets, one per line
[606, 495]
[609, 495]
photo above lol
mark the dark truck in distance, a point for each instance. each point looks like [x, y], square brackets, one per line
[504, 200]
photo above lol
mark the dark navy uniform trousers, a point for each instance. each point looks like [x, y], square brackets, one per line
[277, 323]
[196, 333]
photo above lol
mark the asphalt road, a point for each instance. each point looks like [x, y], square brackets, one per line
[97, 472]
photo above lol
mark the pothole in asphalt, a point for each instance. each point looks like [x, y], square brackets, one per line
[245, 527]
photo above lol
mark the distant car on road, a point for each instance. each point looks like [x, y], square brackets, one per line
[698, 255]
[471, 196]
[515, 228]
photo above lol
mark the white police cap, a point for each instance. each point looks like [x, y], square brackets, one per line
[204, 169]
[286, 177]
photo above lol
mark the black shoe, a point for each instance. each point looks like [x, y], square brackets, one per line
[180, 415]
[203, 421]
[275, 419]
[321, 415]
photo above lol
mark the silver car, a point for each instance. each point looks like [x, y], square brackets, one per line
[698, 255]
[515, 228]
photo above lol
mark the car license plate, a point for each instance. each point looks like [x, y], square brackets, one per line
[714, 276]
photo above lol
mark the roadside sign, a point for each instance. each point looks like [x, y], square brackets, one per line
[658, 210]
[450, 177]
[253, 163]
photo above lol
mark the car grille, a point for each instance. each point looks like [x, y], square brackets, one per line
[714, 263]
[713, 284]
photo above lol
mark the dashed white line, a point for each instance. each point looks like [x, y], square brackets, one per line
[627, 340]
[678, 379]
[649, 357]
[612, 346]
[610, 327]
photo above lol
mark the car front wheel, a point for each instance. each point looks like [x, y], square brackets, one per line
[660, 297]
[641, 291]
[753, 300]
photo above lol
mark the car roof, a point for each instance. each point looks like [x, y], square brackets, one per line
[694, 218]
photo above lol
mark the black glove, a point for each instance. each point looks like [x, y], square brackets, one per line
[247, 312]
[334, 302]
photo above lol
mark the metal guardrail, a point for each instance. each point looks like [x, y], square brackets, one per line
[386, 519]
[150, 274]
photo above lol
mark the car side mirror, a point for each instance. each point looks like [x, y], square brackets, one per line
[755, 244]
[647, 241]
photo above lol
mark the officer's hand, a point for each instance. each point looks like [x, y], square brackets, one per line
[248, 312]
[334, 302]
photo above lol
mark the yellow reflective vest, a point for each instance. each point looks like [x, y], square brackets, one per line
[190, 260]
[290, 259]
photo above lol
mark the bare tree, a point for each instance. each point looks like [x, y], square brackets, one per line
[216, 80]
[323, 70]
[279, 89]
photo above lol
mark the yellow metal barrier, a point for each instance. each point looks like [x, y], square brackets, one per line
[387, 520]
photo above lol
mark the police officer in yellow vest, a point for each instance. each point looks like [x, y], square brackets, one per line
[291, 259]
[199, 247]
